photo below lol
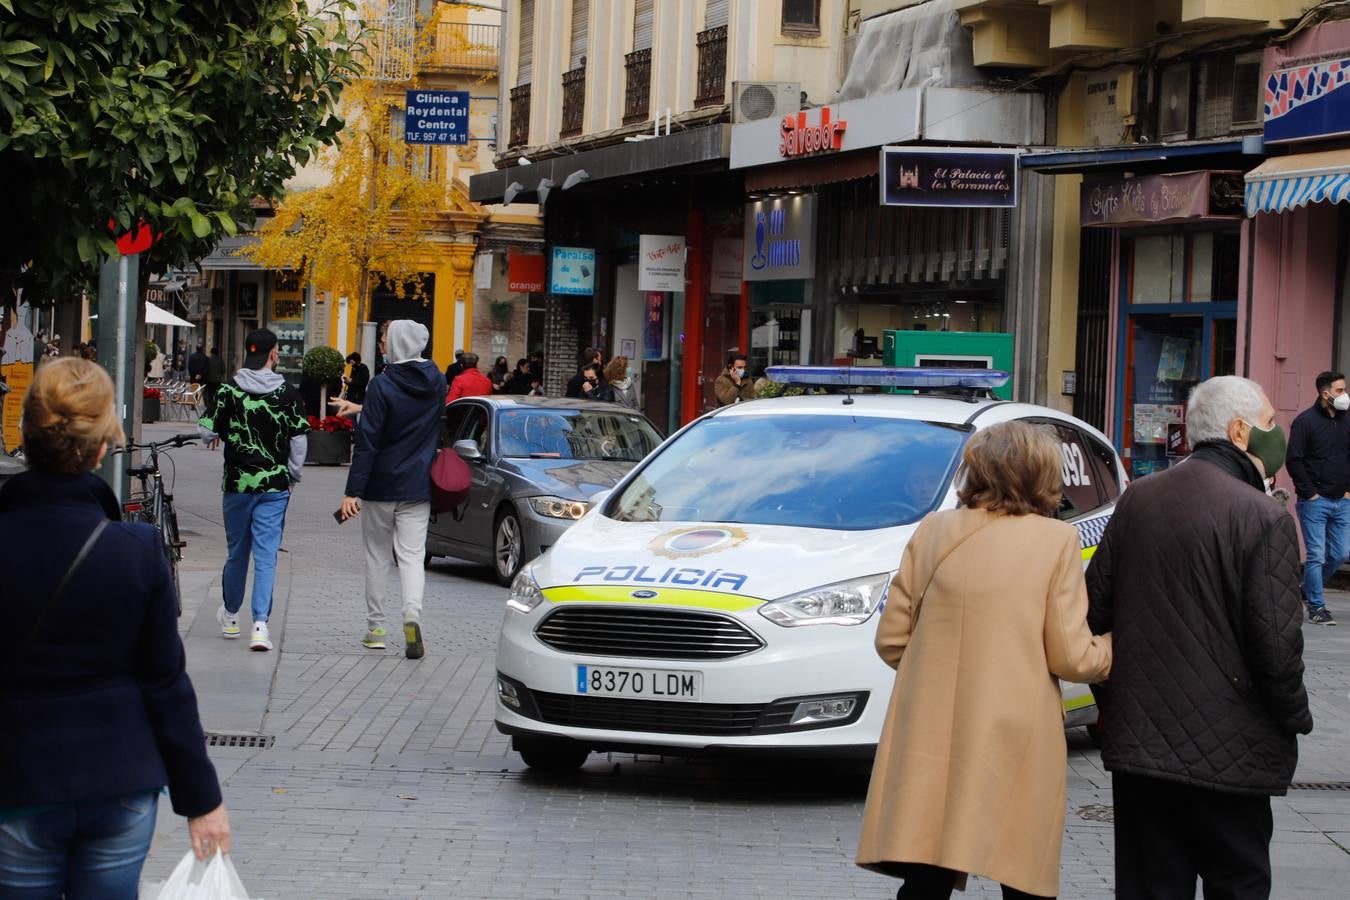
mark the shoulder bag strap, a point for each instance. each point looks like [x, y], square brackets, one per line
[41, 618]
[918, 604]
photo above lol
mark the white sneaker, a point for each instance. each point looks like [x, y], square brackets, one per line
[229, 624]
[261, 640]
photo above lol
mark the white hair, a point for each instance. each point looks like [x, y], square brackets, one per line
[1217, 402]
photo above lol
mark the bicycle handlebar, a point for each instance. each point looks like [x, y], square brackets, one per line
[178, 440]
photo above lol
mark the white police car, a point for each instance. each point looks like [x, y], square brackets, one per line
[725, 595]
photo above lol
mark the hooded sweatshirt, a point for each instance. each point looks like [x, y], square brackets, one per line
[261, 421]
[400, 422]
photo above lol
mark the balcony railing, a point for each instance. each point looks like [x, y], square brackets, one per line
[465, 47]
[574, 101]
[637, 96]
[712, 67]
[520, 116]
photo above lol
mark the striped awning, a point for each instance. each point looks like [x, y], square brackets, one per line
[1288, 182]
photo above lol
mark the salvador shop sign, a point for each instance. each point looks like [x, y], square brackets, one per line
[948, 176]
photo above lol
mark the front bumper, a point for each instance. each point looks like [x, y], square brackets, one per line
[537, 532]
[746, 703]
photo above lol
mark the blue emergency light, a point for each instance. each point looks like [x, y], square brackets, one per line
[889, 377]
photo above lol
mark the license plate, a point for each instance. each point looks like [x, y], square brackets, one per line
[642, 684]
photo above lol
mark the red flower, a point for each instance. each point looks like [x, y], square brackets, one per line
[330, 424]
[151, 393]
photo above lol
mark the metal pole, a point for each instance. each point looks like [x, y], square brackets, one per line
[117, 321]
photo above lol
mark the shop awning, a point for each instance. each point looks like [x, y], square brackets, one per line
[156, 316]
[1288, 182]
[1201, 154]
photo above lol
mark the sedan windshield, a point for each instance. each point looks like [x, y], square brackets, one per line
[575, 434]
[831, 471]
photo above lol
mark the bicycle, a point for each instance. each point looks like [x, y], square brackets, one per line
[154, 505]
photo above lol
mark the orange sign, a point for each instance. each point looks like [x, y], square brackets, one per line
[526, 273]
[801, 139]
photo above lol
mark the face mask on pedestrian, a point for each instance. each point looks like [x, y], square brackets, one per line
[1267, 445]
[1342, 403]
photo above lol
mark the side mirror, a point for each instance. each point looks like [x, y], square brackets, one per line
[468, 449]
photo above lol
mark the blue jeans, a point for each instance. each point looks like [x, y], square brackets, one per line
[253, 525]
[1326, 536]
[91, 850]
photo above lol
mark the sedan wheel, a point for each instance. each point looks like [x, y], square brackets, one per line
[507, 548]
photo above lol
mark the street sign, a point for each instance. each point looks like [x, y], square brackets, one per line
[436, 117]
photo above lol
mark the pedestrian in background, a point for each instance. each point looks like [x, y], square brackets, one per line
[358, 380]
[519, 382]
[389, 482]
[970, 773]
[587, 359]
[1319, 464]
[262, 423]
[99, 712]
[470, 382]
[501, 371]
[198, 365]
[453, 370]
[1196, 578]
[215, 377]
[619, 387]
[732, 386]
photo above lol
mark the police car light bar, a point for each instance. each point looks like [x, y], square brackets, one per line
[889, 376]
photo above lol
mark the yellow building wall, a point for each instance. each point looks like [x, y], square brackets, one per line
[1065, 250]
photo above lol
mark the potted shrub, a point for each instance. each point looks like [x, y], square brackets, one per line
[150, 398]
[330, 441]
[323, 366]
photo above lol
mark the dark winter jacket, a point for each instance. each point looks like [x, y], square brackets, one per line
[360, 380]
[396, 437]
[198, 367]
[1319, 453]
[1197, 579]
[100, 704]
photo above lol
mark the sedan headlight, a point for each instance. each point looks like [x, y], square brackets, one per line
[559, 507]
[525, 593]
[843, 603]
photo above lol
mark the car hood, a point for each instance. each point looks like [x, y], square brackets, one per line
[730, 566]
[573, 479]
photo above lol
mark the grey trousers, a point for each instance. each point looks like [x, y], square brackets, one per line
[394, 529]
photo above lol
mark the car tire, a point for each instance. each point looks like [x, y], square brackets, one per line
[508, 546]
[554, 757]
[426, 561]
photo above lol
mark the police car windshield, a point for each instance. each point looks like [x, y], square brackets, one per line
[575, 434]
[825, 471]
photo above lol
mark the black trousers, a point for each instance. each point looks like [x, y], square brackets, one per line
[924, 882]
[1168, 834]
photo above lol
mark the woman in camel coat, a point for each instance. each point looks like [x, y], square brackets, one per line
[986, 613]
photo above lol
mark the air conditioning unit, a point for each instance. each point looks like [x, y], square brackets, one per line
[755, 100]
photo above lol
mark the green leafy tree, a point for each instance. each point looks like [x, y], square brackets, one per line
[175, 113]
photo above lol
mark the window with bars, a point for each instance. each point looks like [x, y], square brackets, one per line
[637, 97]
[801, 16]
[574, 102]
[418, 159]
[712, 67]
[520, 116]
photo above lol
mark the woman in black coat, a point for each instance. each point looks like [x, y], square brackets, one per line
[98, 709]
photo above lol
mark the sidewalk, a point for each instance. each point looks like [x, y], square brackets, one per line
[388, 779]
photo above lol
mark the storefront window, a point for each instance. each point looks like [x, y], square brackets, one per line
[1179, 328]
[859, 326]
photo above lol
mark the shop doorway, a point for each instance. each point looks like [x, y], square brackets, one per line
[387, 305]
[721, 338]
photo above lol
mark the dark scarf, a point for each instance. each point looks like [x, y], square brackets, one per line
[1231, 460]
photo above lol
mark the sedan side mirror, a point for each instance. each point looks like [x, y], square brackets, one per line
[468, 449]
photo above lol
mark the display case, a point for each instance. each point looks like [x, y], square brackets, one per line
[290, 347]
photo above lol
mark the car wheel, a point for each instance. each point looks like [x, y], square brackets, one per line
[426, 561]
[556, 757]
[508, 547]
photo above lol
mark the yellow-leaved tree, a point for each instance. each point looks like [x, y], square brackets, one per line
[374, 222]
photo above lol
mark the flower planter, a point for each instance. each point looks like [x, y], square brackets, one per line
[329, 448]
[149, 410]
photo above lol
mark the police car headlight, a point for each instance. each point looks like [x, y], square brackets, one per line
[843, 603]
[559, 507]
[525, 593]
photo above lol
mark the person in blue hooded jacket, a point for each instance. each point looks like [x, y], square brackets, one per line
[389, 482]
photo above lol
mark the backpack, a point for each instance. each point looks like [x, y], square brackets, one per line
[450, 481]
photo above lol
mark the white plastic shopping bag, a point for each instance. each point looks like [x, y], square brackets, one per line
[214, 879]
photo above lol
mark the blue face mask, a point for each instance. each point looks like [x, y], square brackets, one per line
[628, 372]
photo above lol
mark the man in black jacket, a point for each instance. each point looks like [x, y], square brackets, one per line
[1196, 577]
[389, 482]
[588, 358]
[1319, 463]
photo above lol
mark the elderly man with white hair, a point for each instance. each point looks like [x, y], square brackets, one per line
[389, 482]
[1197, 578]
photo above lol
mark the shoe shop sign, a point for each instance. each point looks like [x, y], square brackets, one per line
[780, 238]
[948, 176]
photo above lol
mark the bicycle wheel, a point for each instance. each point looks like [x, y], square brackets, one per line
[168, 530]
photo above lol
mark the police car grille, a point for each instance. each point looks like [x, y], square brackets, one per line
[646, 633]
[664, 716]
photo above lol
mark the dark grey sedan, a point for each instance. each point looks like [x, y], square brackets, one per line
[536, 462]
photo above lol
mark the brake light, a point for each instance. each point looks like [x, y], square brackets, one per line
[132, 507]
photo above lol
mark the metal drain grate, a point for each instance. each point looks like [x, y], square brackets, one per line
[1097, 812]
[1320, 786]
[252, 741]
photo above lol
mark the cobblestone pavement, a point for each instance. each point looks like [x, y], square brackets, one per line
[387, 778]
